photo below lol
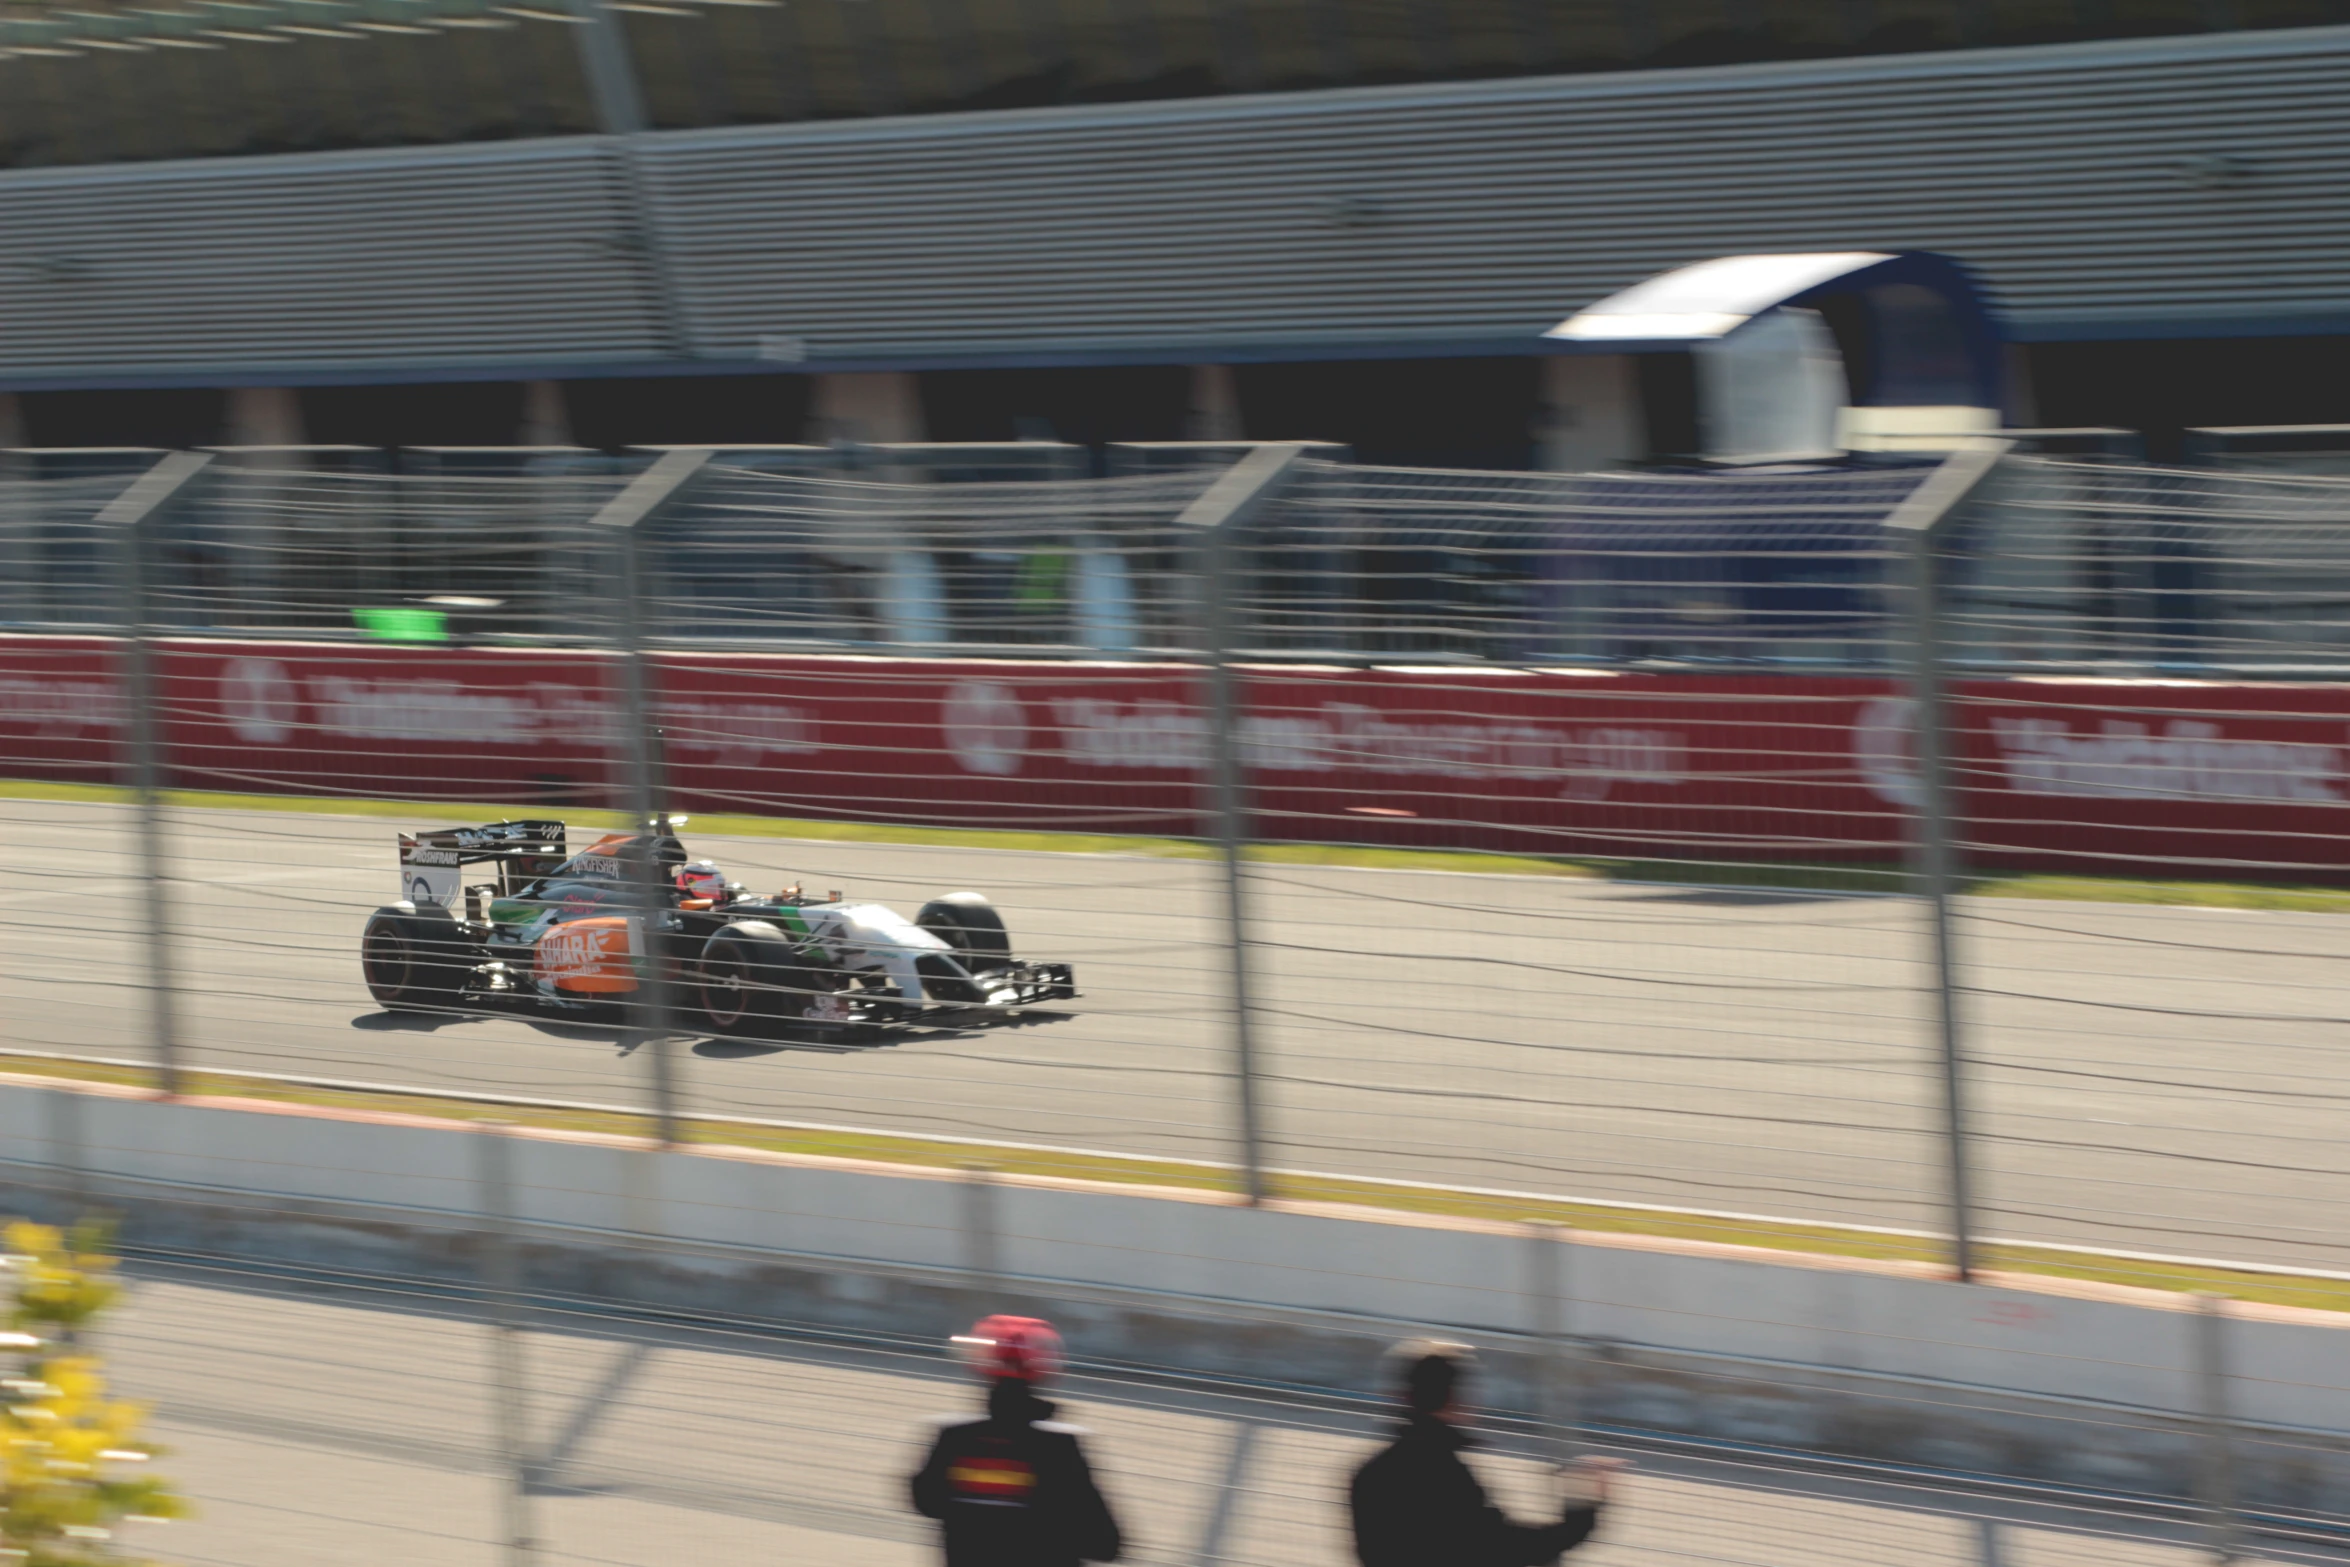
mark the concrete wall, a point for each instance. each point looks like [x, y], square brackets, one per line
[2094, 1386]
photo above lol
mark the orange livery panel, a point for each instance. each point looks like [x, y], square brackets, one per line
[590, 956]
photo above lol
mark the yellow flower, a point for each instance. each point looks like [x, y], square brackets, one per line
[61, 1437]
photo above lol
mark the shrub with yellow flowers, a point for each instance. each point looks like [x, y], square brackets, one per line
[64, 1445]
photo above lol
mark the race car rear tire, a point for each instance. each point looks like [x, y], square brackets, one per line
[415, 959]
[749, 979]
[967, 922]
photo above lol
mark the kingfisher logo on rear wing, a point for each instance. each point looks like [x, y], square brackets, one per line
[431, 862]
[475, 845]
[499, 838]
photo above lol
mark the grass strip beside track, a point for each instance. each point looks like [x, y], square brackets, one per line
[2271, 1287]
[1788, 875]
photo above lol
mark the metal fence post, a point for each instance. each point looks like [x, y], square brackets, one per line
[501, 1288]
[982, 1237]
[620, 527]
[1558, 1413]
[1918, 532]
[2216, 1482]
[69, 1153]
[128, 523]
[1213, 523]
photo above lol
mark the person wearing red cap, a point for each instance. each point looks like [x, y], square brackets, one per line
[1012, 1488]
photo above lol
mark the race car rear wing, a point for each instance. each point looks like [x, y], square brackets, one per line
[432, 863]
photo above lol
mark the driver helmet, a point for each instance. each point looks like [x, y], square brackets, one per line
[702, 879]
[1011, 1349]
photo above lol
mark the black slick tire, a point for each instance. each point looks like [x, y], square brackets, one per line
[416, 958]
[749, 979]
[967, 922]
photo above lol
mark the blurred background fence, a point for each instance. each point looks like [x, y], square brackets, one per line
[1681, 960]
[2088, 566]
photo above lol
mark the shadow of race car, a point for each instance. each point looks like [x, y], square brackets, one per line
[577, 934]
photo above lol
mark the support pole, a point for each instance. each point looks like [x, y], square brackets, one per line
[501, 1290]
[2216, 1486]
[619, 101]
[1933, 874]
[1917, 529]
[983, 1257]
[1214, 524]
[128, 523]
[1558, 1413]
[620, 528]
[69, 1154]
[605, 61]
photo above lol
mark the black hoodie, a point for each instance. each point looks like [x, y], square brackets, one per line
[1013, 1489]
[1417, 1504]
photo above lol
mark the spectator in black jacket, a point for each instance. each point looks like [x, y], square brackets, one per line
[1418, 1504]
[1012, 1489]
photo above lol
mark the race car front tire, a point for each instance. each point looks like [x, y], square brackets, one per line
[749, 979]
[967, 922]
[415, 959]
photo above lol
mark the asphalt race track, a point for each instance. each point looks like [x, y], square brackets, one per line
[2155, 1079]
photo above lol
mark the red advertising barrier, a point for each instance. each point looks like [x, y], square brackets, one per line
[2152, 775]
[60, 709]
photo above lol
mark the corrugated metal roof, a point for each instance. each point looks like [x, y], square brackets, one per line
[2149, 188]
[425, 257]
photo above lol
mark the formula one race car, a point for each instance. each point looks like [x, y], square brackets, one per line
[564, 933]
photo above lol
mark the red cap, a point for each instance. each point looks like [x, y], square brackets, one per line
[1019, 1349]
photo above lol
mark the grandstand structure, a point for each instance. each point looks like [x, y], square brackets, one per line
[613, 222]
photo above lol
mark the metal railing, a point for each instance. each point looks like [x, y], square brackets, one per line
[2091, 567]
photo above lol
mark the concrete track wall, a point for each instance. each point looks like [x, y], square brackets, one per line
[2084, 1384]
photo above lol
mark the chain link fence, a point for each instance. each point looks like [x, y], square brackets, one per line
[1679, 961]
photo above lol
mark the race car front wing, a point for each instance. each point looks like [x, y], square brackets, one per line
[1028, 984]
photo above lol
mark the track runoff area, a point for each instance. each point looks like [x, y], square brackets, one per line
[1746, 1051]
